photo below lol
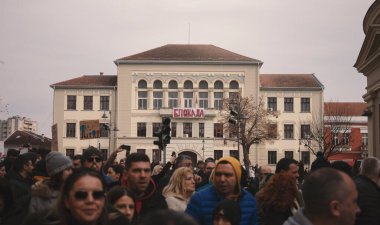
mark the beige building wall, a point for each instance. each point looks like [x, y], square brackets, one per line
[62, 116]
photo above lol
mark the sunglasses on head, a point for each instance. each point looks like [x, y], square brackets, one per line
[83, 195]
[91, 159]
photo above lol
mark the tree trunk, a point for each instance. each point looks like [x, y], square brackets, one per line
[246, 160]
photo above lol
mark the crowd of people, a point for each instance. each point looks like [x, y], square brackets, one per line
[88, 190]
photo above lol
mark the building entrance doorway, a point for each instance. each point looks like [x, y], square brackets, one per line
[192, 155]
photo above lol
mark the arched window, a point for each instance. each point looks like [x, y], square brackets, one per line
[218, 84]
[142, 84]
[157, 84]
[218, 94]
[158, 95]
[203, 85]
[234, 84]
[173, 84]
[188, 85]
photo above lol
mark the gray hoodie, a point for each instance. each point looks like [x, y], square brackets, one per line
[298, 219]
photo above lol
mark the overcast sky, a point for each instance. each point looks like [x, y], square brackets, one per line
[47, 41]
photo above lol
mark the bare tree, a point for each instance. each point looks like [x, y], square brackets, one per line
[331, 133]
[247, 122]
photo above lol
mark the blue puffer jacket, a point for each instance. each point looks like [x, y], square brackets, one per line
[203, 203]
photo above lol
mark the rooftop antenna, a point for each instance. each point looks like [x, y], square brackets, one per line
[188, 38]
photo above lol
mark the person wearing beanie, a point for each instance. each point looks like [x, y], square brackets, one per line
[45, 193]
[225, 180]
[227, 212]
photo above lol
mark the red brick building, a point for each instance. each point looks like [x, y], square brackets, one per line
[348, 130]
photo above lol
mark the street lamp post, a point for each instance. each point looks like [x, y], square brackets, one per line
[110, 128]
[203, 148]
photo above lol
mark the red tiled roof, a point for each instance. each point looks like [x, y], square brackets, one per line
[289, 81]
[177, 52]
[344, 108]
[86, 80]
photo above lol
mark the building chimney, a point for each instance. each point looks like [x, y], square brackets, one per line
[101, 73]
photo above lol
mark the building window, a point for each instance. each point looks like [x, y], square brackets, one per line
[201, 130]
[70, 152]
[288, 131]
[233, 96]
[104, 129]
[156, 155]
[288, 104]
[141, 151]
[305, 104]
[335, 138]
[141, 129]
[143, 100]
[87, 104]
[173, 99]
[188, 98]
[272, 104]
[218, 100]
[142, 84]
[235, 154]
[173, 84]
[289, 154]
[70, 129]
[174, 129]
[364, 139]
[218, 154]
[71, 102]
[218, 130]
[346, 139]
[188, 85]
[305, 157]
[203, 100]
[104, 102]
[305, 131]
[234, 84]
[272, 130]
[156, 128]
[187, 129]
[104, 153]
[157, 84]
[157, 99]
[272, 157]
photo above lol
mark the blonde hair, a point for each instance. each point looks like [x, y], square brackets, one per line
[176, 187]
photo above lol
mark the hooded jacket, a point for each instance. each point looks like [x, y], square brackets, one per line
[151, 200]
[43, 197]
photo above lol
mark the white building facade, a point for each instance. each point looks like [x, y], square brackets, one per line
[186, 83]
[14, 123]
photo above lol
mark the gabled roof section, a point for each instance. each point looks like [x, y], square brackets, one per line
[19, 138]
[175, 53]
[89, 81]
[289, 81]
[344, 108]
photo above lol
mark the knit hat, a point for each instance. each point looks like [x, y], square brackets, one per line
[235, 165]
[57, 162]
[90, 151]
[228, 209]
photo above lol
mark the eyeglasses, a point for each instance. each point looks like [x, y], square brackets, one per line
[91, 159]
[83, 195]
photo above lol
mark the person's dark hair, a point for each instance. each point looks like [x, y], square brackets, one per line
[370, 166]
[229, 209]
[90, 151]
[40, 169]
[284, 164]
[181, 158]
[342, 166]
[12, 153]
[320, 162]
[320, 188]
[115, 193]
[18, 164]
[62, 211]
[77, 157]
[135, 157]
[32, 156]
[167, 217]
[118, 170]
[6, 195]
[209, 159]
